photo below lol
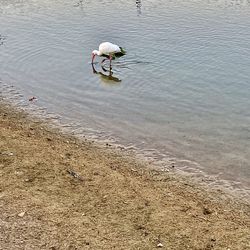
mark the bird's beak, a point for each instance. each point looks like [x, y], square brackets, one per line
[93, 57]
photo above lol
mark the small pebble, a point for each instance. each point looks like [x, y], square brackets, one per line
[206, 211]
[32, 98]
[7, 153]
[160, 245]
[18, 172]
[21, 214]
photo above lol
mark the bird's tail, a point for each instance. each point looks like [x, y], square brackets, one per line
[123, 51]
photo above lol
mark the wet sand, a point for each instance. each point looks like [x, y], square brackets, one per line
[57, 192]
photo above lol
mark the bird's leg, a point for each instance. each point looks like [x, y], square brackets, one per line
[110, 72]
[110, 59]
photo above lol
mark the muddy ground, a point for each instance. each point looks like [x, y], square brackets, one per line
[57, 192]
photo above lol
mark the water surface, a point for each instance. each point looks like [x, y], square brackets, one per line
[181, 94]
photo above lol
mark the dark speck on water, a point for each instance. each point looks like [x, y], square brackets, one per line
[2, 39]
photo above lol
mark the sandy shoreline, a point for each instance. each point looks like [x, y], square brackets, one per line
[57, 192]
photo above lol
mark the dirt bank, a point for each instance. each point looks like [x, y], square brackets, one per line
[59, 193]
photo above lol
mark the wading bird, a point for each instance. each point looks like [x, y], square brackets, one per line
[108, 50]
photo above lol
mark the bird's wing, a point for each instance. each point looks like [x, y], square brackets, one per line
[109, 48]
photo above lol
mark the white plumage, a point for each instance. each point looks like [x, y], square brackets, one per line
[108, 50]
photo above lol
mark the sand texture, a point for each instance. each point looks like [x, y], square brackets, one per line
[57, 192]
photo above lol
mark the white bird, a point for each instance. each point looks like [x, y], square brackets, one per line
[108, 50]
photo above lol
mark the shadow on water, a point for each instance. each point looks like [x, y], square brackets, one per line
[106, 76]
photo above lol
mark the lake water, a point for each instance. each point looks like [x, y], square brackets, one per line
[181, 94]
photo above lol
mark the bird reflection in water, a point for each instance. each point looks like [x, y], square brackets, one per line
[138, 6]
[106, 76]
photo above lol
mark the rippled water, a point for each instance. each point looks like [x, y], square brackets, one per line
[181, 93]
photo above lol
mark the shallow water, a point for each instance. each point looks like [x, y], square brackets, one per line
[181, 94]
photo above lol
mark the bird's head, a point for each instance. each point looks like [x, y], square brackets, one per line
[93, 54]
